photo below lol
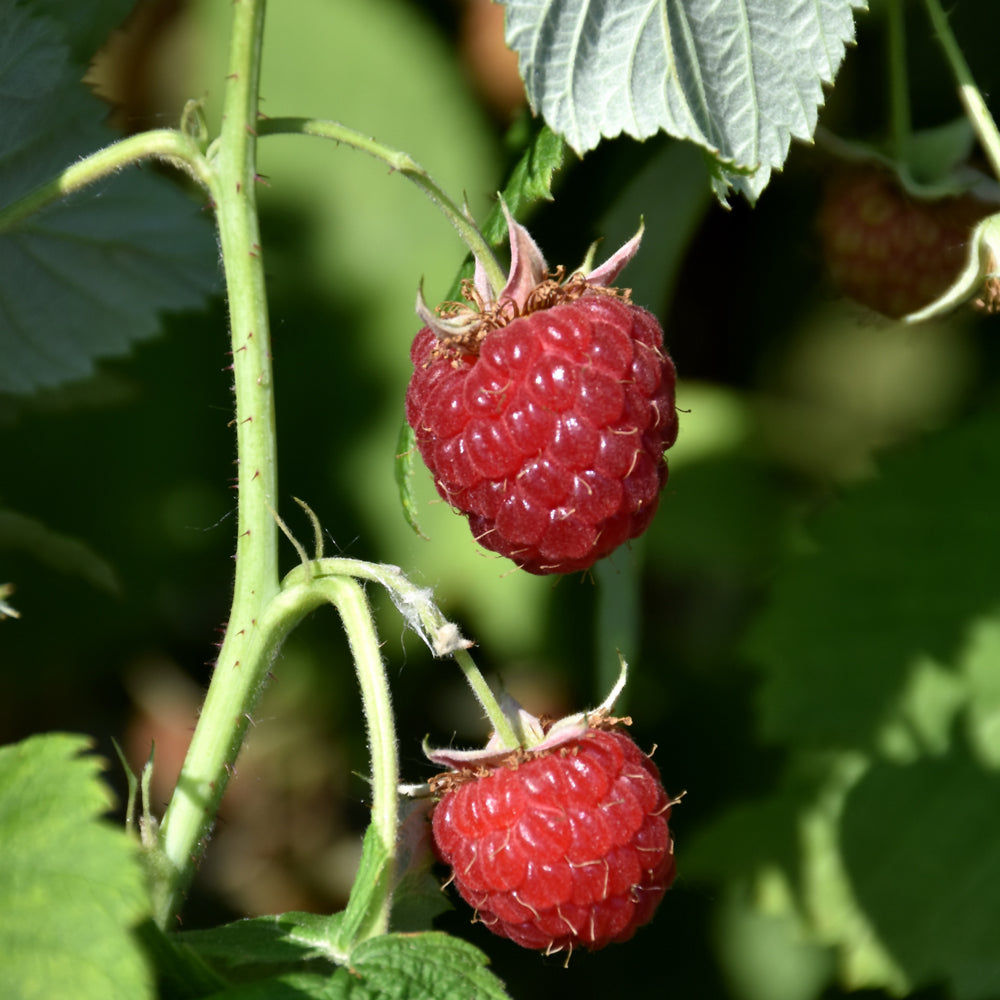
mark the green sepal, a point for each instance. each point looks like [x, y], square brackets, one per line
[405, 466]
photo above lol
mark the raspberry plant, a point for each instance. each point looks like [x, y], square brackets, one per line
[811, 697]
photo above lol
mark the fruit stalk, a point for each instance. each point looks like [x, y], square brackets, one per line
[405, 165]
[241, 667]
[349, 598]
[899, 90]
[970, 95]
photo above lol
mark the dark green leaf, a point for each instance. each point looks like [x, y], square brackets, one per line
[431, 966]
[290, 986]
[902, 566]
[181, 973]
[921, 848]
[282, 939]
[529, 182]
[405, 469]
[416, 897]
[86, 278]
[86, 24]
[71, 886]
[367, 893]
[59, 551]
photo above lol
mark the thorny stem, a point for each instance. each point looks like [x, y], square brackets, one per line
[244, 657]
[970, 95]
[405, 165]
[263, 613]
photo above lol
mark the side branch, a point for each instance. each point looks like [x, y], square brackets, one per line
[166, 145]
[404, 164]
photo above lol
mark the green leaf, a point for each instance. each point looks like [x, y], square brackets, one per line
[367, 892]
[405, 468]
[739, 80]
[765, 952]
[86, 24]
[416, 897]
[282, 939]
[181, 973]
[784, 846]
[86, 278]
[431, 966]
[71, 886]
[921, 848]
[530, 182]
[980, 670]
[902, 567]
[289, 986]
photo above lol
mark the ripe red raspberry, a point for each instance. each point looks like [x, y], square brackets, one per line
[544, 414]
[889, 250]
[561, 847]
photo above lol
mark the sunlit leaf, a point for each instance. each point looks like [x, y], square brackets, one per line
[902, 567]
[740, 79]
[920, 844]
[71, 888]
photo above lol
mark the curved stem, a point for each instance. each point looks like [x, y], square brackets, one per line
[408, 167]
[241, 668]
[970, 95]
[423, 615]
[349, 599]
[168, 145]
[211, 759]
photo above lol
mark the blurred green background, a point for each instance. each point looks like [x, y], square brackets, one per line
[810, 620]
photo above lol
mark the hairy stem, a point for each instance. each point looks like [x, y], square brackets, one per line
[970, 95]
[422, 613]
[349, 599]
[405, 165]
[168, 145]
[245, 654]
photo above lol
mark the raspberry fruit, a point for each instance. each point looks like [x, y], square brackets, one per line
[562, 846]
[543, 413]
[888, 250]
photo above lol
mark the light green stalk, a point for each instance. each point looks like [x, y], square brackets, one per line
[244, 657]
